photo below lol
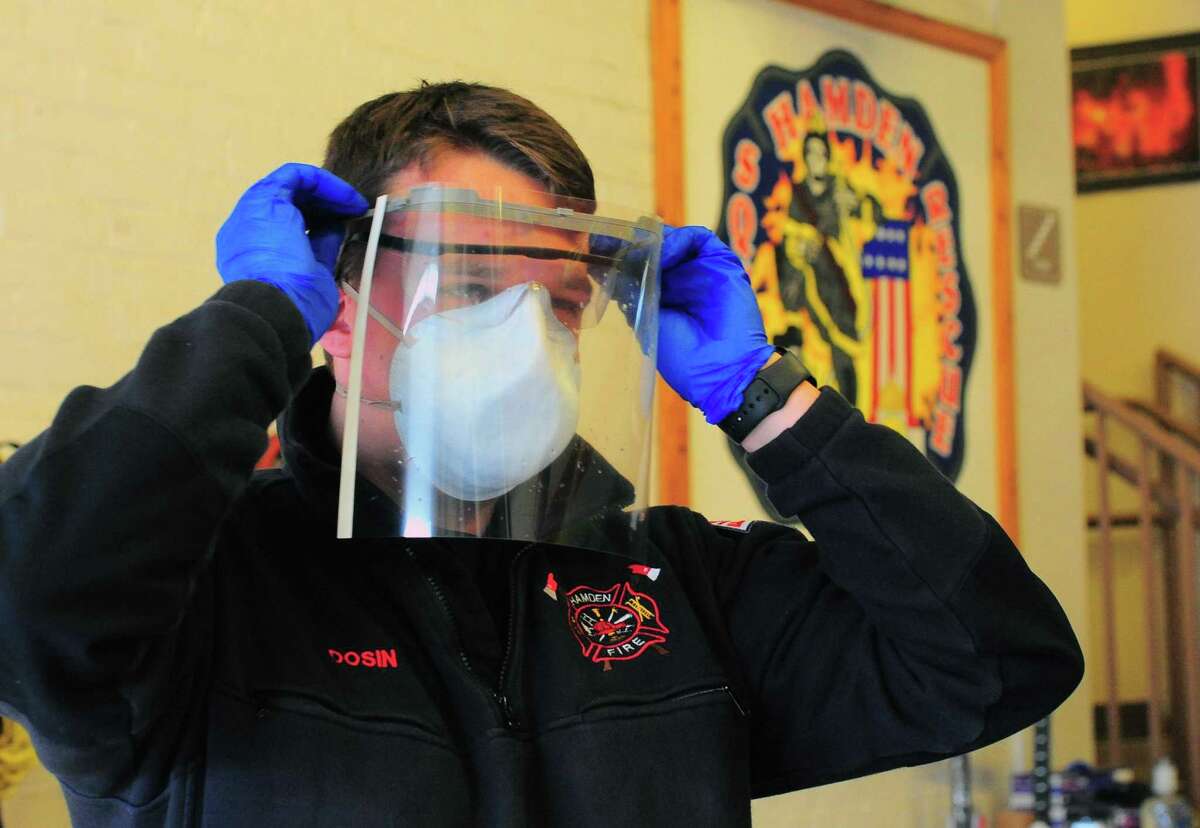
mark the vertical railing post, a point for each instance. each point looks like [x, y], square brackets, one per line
[1109, 609]
[1162, 380]
[1150, 576]
[1185, 543]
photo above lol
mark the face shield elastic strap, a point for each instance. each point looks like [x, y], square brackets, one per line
[379, 317]
[390, 405]
[431, 248]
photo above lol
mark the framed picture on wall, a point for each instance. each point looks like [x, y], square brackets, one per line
[1136, 112]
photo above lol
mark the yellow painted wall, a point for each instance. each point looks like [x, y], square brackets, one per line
[128, 130]
[1139, 289]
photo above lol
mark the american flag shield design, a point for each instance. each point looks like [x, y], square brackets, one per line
[885, 267]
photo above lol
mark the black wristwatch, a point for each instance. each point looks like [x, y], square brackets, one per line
[768, 393]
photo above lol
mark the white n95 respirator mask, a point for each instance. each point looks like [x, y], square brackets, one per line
[486, 395]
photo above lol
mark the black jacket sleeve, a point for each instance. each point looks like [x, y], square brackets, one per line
[107, 520]
[912, 629]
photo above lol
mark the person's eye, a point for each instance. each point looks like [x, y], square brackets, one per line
[569, 313]
[468, 293]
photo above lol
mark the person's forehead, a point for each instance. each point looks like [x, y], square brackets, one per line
[472, 169]
[490, 179]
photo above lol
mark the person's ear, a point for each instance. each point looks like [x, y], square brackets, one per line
[336, 340]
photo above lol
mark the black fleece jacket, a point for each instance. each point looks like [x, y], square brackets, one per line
[189, 644]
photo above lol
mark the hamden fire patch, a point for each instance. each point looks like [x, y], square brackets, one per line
[615, 624]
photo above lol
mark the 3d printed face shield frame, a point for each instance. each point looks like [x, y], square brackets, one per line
[496, 312]
[579, 311]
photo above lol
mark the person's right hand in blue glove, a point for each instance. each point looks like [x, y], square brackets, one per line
[264, 239]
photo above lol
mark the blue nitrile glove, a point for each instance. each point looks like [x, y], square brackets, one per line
[264, 238]
[711, 340]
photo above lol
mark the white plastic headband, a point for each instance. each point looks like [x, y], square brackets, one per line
[345, 519]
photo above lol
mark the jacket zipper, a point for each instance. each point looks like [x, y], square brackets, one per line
[462, 653]
[496, 693]
[512, 635]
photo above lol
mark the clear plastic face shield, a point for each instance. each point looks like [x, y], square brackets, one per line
[501, 371]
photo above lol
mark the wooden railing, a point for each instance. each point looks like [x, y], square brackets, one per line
[1165, 474]
[1171, 369]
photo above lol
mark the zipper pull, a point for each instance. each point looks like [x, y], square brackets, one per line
[506, 710]
[745, 713]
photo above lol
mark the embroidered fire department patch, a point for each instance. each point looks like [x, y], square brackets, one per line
[616, 624]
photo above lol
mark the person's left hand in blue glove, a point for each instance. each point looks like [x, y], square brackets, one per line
[265, 238]
[711, 340]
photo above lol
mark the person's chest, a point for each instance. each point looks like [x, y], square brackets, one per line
[372, 681]
[454, 640]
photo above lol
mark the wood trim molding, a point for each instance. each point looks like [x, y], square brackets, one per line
[1008, 505]
[666, 48]
[874, 15]
[667, 75]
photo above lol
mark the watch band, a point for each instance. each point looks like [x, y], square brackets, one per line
[766, 394]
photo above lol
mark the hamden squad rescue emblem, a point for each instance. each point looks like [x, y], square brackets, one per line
[844, 209]
[615, 624]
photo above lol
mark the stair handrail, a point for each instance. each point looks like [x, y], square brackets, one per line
[1167, 420]
[1166, 362]
[1143, 425]
[1127, 470]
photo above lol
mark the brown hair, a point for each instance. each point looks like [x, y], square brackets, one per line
[383, 136]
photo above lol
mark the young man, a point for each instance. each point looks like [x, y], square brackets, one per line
[190, 645]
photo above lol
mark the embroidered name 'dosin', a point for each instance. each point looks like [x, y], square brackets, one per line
[364, 658]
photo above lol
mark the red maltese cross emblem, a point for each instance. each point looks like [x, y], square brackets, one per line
[616, 624]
